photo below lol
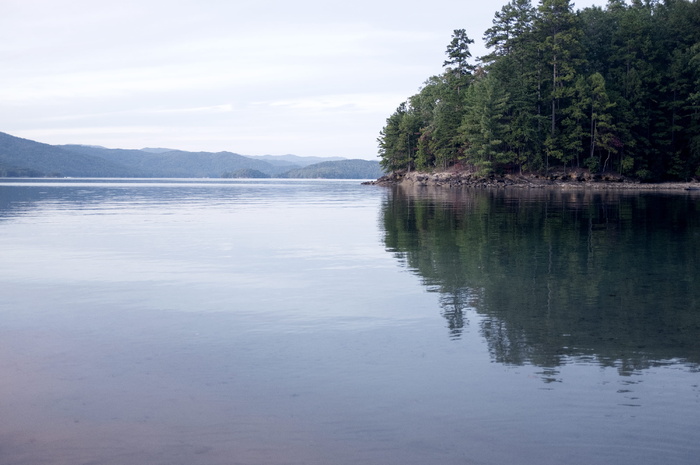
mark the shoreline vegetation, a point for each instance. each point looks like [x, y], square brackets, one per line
[562, 179]
[610, 90]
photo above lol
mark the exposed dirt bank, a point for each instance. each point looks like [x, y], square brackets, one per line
[559, 179]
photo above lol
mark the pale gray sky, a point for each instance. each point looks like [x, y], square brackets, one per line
[308, 77]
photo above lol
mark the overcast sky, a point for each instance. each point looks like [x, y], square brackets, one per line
[308, 77]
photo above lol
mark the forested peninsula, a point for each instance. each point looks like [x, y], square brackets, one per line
[611, 91]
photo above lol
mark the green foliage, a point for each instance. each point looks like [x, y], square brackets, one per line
[610, 89]
[458, 54]
[399, 138]
[484, 126]
[592, 164]
[558, 34]
[511, 26]
[341, 169]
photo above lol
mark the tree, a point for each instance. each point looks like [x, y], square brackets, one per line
[559, 33]
[602, 133]
[694, 110]
[424, 104]
[511, 26]
[443, 142]
[484, 126]
[392, 151]
[617, 88]
[440, 136]
[515, 63]
[458, 54]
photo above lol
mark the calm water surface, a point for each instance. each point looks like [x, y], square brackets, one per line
[325, 322]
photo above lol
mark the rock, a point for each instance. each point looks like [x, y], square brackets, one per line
[578, 178]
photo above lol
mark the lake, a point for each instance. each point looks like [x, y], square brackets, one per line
[325, 322]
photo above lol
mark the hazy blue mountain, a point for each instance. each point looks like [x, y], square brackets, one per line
[23, 157]
[341, 169]
[293, 161]
[181, 164]
[156, 150]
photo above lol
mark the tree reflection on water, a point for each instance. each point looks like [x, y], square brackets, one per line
[611, 276]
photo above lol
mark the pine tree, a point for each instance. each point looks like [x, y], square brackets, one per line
[617, 88]
[602, 134]
[457, 64]
[391, 148]
[511, 27]
[484, 126]
[443, 142]
[514, 63]
[559, 33]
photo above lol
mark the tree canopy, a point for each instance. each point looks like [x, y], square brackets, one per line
[608, 89]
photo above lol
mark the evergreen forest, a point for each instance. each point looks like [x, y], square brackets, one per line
[606, 89]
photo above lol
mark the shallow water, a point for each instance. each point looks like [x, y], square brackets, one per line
[325, 322]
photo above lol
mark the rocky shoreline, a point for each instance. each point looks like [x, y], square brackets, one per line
[559, 179]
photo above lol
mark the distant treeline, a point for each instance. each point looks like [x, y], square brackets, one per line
[26, 158]
[336, 169]
[341, 169]
[604, 89]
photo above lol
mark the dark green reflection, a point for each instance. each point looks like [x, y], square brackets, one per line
[606, 275]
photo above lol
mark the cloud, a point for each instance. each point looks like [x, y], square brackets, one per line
[218, 75]
[345, 102]
[93, 130]
[210, 109]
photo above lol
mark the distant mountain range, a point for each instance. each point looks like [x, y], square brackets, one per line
[341, 169]
[27, 158]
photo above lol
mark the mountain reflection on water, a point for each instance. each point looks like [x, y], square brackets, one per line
[557, 276]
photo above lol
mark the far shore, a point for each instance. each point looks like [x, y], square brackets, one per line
[573, 179]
